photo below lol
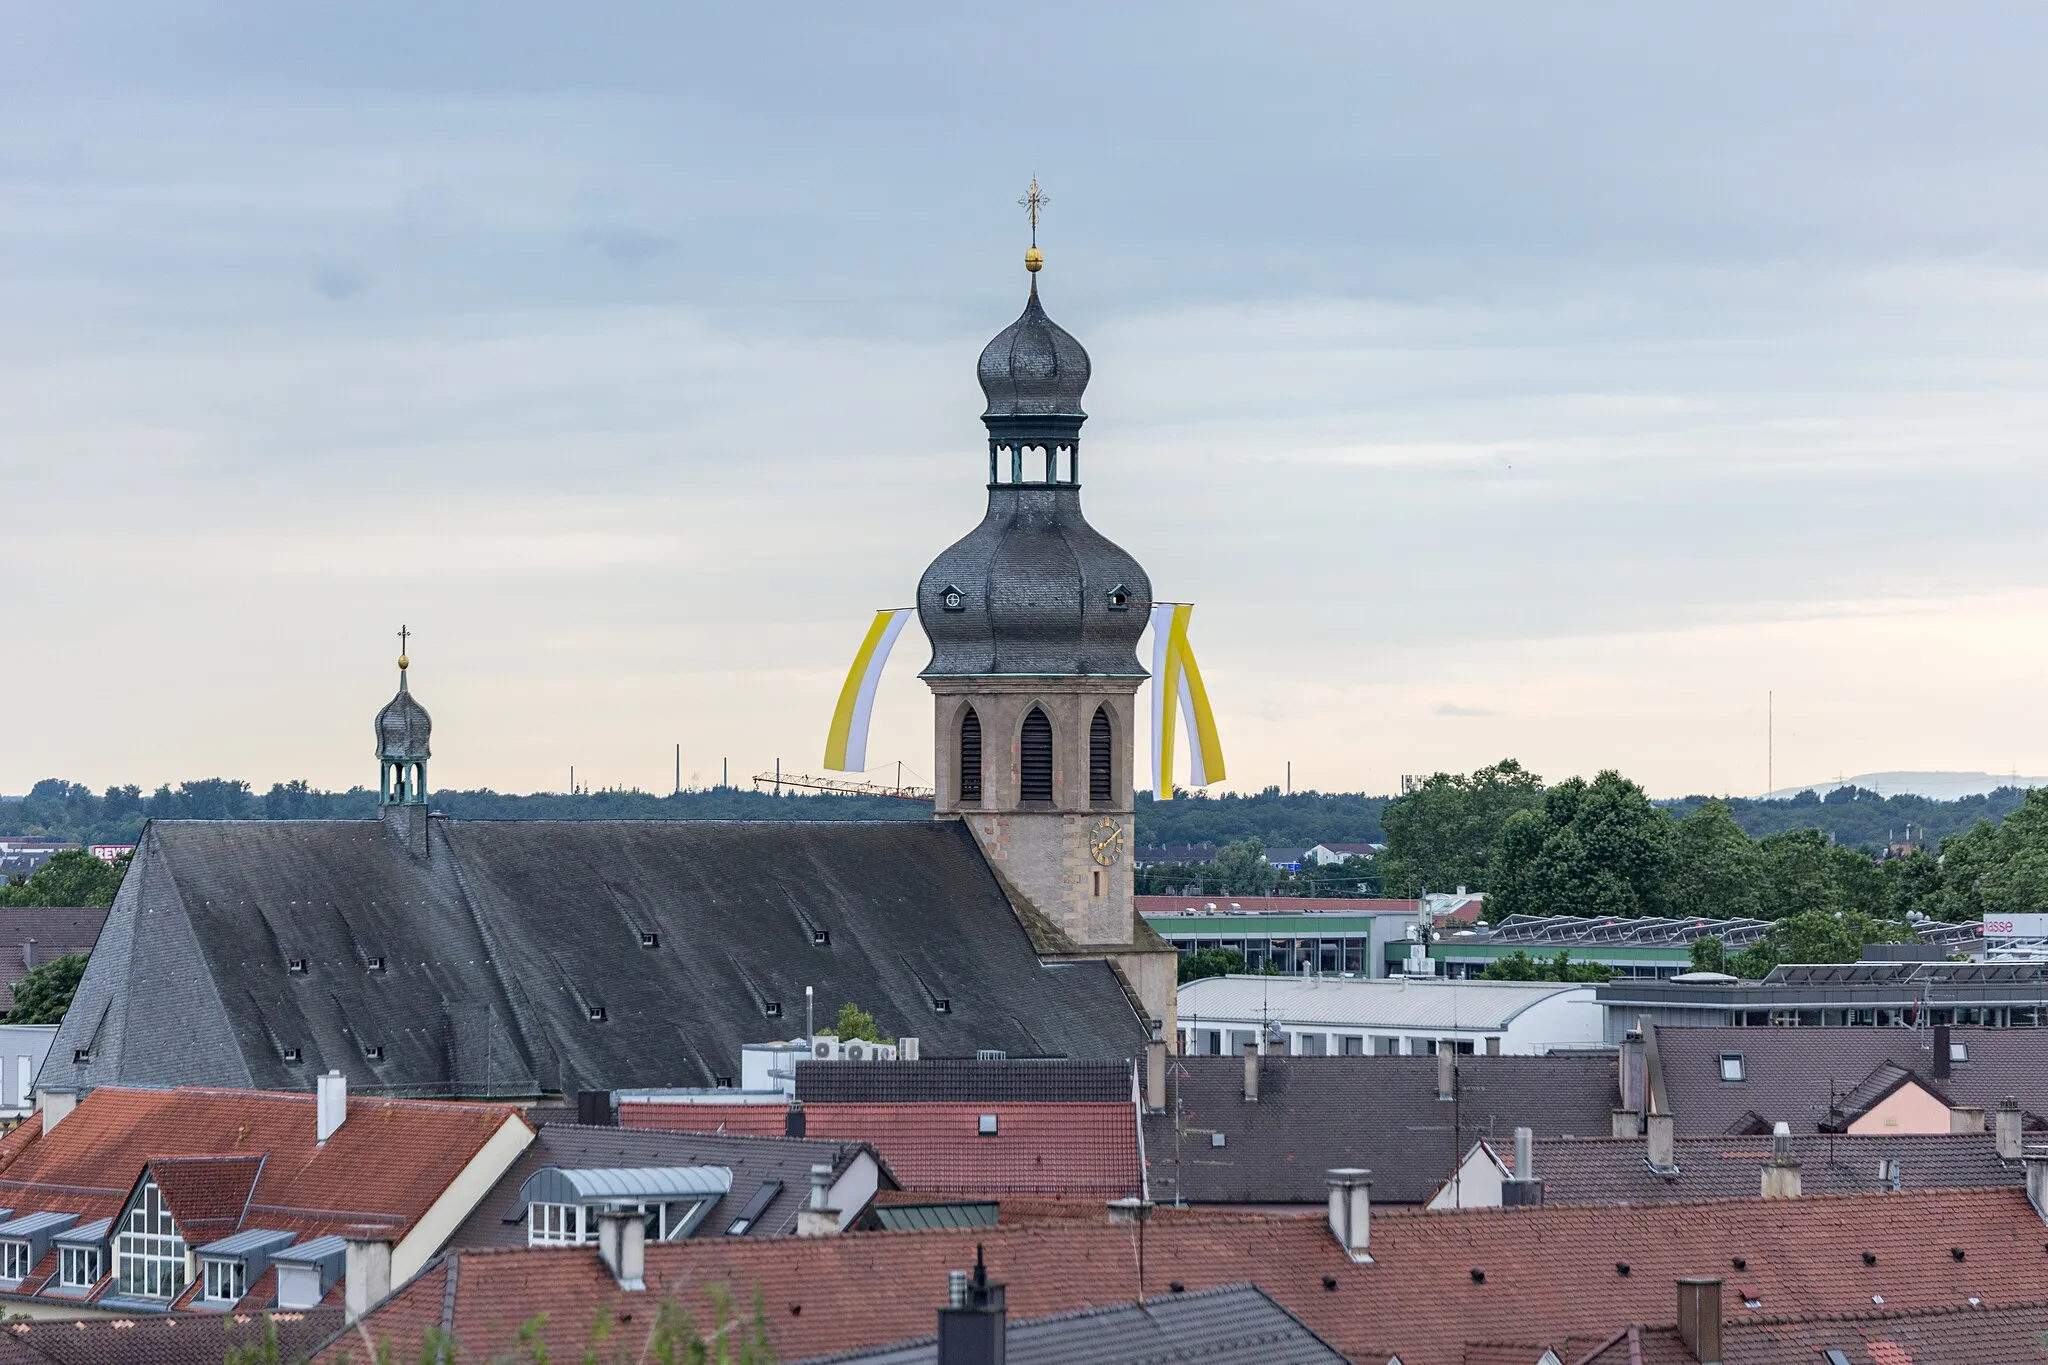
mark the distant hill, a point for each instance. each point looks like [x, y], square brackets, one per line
[1934, 786]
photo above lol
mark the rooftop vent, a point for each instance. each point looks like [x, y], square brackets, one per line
[990, 1054]
[293, 1055]
[649, 939]
[986, 1125]
[81, 1056]
[821, 938]
[942, 1007]
[373, 1053]
[376, 964]
[596, 1014]
[296, 966]
[1870, 1258]
[1478, 1276]
[772, 1008]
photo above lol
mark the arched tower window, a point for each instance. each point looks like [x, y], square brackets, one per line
[970, 756]
[1034, 753]
[1101, 787]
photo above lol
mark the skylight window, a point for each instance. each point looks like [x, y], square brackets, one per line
[1959, 1054]
[1731, 1066]
[985, 1126]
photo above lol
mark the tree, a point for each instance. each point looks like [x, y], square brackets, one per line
[1211, 962]
[1242, 870]
[1593, 848]
[1445, 833]
[1715, 869]
[1817, 936]
[1708, 954]
[45, 993]
[855, 1022]
[72, 878]
[1519, 966]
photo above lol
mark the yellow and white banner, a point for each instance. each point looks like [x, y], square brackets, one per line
[846, 746]
[1176, 679]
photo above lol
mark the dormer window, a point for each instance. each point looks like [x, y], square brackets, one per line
[15, 1260]
[1119, 598]
[149, 1254]
[952, 599]
[78, 1267]
[226, 1280]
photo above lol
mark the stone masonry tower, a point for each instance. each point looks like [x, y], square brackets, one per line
[1034, 619]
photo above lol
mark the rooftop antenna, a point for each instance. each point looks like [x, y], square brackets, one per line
[1770, 743]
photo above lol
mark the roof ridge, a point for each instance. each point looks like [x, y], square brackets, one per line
[1923, 1193]
[301, 1097]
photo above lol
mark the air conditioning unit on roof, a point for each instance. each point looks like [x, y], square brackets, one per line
[825, 1047]
[861, 1050]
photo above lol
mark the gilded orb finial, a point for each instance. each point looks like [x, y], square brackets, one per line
[1033, 203]
[403, 662]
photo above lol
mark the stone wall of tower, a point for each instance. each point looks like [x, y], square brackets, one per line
[1045, 850]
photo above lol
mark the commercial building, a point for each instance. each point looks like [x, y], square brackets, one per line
[1839, 995]
[1327, 936]
[1335, 1016]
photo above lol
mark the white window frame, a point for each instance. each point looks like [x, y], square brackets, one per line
[227, 1279]
[557, 1225]
[149, 1253]
[71, 1260]
[16, 1261]
[554, 1225]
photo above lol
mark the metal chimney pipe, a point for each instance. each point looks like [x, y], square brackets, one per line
[1155, 1075]
[1525, 1154]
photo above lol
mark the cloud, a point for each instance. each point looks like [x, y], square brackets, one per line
[1452, 709]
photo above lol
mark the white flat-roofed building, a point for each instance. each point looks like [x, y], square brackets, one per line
[1331, 1016]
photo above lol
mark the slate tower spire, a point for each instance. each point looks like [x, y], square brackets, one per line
[403, 731]
[1034, 619]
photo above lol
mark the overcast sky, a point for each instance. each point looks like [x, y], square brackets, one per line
[1498, 380]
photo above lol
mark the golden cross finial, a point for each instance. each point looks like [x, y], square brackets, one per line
[1032, 203]
[403, 636]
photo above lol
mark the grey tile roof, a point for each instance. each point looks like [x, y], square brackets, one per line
[57, 932]
[1614, 1171]
[750, 1159]
[510, 959]
[1787, 1072]
[1234, 1325]
[958, 1080]
[1380, 1113]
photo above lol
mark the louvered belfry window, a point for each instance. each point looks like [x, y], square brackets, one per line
[970, 756]
[1101, 790]
[1035, 758]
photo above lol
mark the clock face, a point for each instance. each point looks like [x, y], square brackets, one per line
[1106, 841]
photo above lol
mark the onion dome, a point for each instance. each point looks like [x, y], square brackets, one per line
[403, 726]
[1034, 368]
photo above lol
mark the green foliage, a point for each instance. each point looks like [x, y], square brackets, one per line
[1447, 832]
[45, 993]
[1816, 936]
[1300, 820]
[855, 1022]
[1520, 966]
[1708, 954]
[1210, 962]
[74, 877]
[1241, 869]
[1597, 848]
[1716, 873]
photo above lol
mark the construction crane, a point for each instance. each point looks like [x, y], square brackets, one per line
[841, 788]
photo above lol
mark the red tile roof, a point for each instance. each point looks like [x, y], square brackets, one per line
[386, 1164]
[2014, 1335]
[1549, 1274]
[748, 1120]
[207, 1194]
[1075, 1151]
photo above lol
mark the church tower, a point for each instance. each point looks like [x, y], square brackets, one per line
[1034, 619]
[403, 731]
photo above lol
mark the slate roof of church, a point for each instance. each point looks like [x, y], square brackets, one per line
[483, 968]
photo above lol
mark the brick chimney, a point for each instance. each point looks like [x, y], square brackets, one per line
[1662, 1147]
[622, 1246]
[2007, 1125]
[818, 1218]
[1251, 1073]
[1781, 1172]
[1351, 1211]
[974, 1325]
[1699, 1319]
[1155, 1075]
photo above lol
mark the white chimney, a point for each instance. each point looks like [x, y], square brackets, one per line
[1446, 1069]
[1351, 1211]
[1663, 1151]
[1781, 1172]
[368, 1274]
[622, 1246]
[2006, 1129]
[330, 1105]
[1251, 1073]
